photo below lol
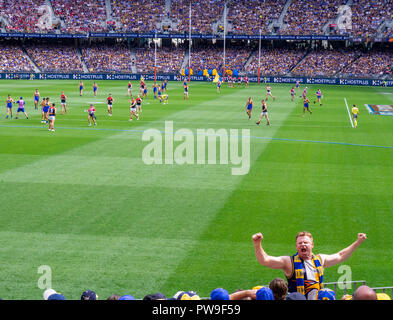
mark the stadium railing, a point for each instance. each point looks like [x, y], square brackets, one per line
[345, 285]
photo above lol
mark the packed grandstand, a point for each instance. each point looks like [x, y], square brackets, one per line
[365, 52]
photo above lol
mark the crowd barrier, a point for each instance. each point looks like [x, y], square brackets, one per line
[174, 77]
[185, 35]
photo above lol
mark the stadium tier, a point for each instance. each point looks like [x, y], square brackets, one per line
[359, 18]
[121, 57]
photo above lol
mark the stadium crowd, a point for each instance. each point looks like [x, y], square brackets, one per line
[251, 16]
[211, 57]
[108, 58]
[55, 58]
[367, 15]
[138, 16]
[81, 16]
[308, 17]
[204, 13]
[324, 62]
[169, 60]
[13, 59]
[302, 17]
[275, 61]
[372, 63]
[277, 289]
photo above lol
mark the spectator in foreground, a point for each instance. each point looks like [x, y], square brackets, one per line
[304, 265]
[89, 295]
[364, 293]
[279, 288]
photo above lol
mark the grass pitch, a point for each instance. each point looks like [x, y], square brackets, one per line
[82, 201]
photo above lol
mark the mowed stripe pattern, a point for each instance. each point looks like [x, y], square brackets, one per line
[85, 204]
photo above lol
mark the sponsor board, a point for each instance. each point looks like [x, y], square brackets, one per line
[380, 109]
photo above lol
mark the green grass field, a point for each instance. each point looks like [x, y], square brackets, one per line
[82, 201]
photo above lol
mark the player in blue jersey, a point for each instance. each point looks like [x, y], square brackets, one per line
[165, 85]
[81, 88]
[95, 88]
[218, 86]
[306, 106]
[159, 93]
[185, 95]
[9, 102]
[45, 110]
[249, 105]
[21, 108]
[319, 96]
[155, 90]
[36, 96]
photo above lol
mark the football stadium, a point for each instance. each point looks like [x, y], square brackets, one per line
[196, 150]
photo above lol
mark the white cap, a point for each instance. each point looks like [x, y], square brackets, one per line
[47, 293]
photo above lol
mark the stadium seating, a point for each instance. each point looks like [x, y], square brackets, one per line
[308, 17]
[325, 62]
[81, 16]
[55, 58]
[248, 17]
[12, 59]
[169, 60]
[275, 61]
[204, 14]
[370, 64]
[211, 57]
[138, 16]
[108, 58]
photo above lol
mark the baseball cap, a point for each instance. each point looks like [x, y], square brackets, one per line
[295, 296]
[186, 295]
[48, 292]
[127, 297]
[89, 295]
[155, 296]
[326, 294]
[264, 294]
[219, 294]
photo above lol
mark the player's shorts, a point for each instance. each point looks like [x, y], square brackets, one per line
[92, 115]
[109, 105]
[185, 92]
[9, 106]
[51, 118]
[45, 109]
[133, 109]
[306, 106]
[264, 113]
[319, 97]
[36, 98]
[355, 116]
[21, 110]
[249, 108]
[94, 89]
[80, 88]
[63, 102]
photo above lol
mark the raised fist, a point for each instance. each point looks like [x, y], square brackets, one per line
[257, 237]
[362, 237]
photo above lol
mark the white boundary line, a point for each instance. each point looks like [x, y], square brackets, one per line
[349, 114]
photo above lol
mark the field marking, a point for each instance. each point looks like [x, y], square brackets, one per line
[349, 114]
[216, 135]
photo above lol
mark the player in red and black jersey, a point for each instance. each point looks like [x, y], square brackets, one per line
[63, 99]
[110, 103]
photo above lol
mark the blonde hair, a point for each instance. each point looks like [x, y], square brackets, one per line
[304, 234]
